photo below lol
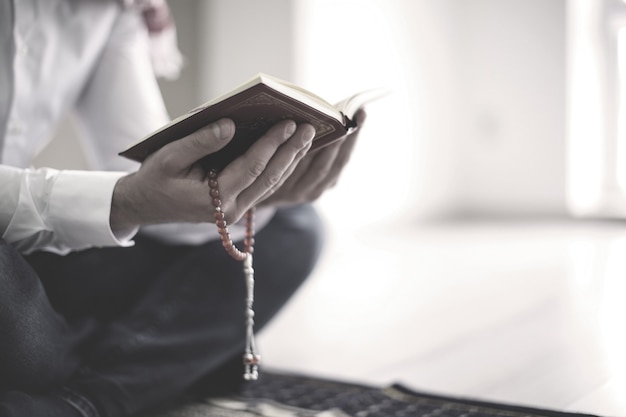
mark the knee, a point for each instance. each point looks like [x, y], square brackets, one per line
[298, 237]
[303, 226]
[287, 251]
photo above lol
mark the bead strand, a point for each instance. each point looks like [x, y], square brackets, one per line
[222, 226]
[251, 359]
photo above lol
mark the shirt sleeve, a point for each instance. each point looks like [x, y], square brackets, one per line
[57, 211]
[122, 102]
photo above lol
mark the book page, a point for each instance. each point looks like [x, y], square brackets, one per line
[352, 104]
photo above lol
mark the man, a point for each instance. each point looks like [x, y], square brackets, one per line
[96, 318]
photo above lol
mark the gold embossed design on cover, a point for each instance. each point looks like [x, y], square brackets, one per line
[321, 128]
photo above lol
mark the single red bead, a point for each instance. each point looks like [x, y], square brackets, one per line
[250, 359]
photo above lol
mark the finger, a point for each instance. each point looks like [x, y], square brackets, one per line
[306, 179]
[326, 166]
[341, 160]
[345, 148]
[319, 168]
[245, 170]
[301, 167]
[181, 154]
[360, 116]
[240, 173]
[279, 165]
[345, 152]
[290, 176]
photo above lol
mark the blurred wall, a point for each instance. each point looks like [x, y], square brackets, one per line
[488, 96]
[511, 132]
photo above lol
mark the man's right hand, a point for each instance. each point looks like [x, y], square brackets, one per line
[170, 186]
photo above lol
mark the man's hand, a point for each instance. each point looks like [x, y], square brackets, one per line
[170, 186]
[315, 173]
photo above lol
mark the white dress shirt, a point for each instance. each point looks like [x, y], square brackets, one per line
[90, 58]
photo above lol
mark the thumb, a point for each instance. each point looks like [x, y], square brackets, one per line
[183, 153]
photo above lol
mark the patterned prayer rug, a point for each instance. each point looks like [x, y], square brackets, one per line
[279, 395]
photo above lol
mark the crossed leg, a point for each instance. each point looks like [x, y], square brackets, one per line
[118, 331]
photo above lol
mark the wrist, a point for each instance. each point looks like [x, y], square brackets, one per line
[124, 215]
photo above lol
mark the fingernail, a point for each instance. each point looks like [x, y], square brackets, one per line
[310, 135]
[289, 129]
[222, 129]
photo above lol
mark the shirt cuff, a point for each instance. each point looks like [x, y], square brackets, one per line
[80, 207]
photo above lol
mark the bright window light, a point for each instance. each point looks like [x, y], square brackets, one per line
[621, 117]
[348, 46]
[586, 112]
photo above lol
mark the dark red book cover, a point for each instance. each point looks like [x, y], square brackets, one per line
[254, 111]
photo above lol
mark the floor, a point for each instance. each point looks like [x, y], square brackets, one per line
[525, 312]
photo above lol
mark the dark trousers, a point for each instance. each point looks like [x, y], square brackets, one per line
[118, 331]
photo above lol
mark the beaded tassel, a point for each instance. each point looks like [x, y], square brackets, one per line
[251, 359]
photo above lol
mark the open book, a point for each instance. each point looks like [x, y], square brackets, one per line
[255, 106]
